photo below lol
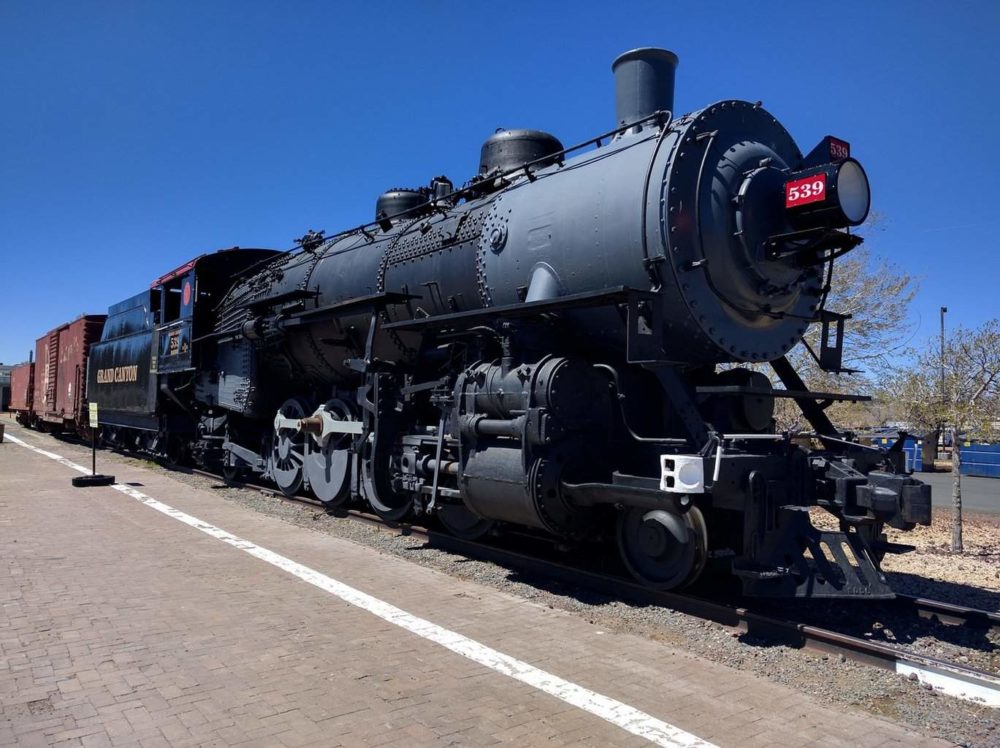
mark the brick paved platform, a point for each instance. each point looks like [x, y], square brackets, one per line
[123, 626]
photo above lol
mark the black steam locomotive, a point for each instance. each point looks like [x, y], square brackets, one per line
[551, 346]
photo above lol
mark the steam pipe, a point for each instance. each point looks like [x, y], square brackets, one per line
[477, 425]
[592, 494]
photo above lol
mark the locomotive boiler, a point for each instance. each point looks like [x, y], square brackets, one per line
[581, 341]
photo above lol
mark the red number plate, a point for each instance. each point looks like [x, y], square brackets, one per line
[839, 149]
[805, 190]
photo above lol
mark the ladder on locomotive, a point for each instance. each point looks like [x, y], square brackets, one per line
[52, 368]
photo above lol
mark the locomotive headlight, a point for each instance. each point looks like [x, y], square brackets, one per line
[830, 195]
[853, 191]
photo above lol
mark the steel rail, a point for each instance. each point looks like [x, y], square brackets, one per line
[949, 613]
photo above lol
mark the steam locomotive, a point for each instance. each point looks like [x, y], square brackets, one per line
[573, 341]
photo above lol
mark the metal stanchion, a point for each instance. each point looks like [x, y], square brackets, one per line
[95, 479]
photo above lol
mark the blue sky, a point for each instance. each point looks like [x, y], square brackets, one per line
[135, 135]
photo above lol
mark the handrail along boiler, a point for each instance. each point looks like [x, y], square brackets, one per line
[562, 344]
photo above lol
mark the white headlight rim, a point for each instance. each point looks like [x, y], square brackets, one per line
[853, 192]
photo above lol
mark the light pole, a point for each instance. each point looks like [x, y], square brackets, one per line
[943, 399]
[956, 471]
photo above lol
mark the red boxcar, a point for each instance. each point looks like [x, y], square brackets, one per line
[61, 372]
[22, 392]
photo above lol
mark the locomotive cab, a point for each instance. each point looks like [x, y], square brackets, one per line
[142, 371]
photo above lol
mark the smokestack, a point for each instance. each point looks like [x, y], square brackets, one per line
[644, 83]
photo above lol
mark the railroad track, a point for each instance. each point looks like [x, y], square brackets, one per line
[949, 613]
[952, 678]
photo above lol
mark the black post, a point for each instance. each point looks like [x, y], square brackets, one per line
[94, 479]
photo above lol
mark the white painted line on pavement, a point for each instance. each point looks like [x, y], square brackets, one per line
[617, 713]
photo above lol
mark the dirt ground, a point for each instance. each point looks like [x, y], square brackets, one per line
[934, 571]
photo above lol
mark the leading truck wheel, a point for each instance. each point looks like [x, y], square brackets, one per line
[664, 550]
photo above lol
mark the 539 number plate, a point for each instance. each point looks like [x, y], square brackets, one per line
[805, 190]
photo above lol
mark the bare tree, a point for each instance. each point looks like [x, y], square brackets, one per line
[877, 295]
[970, 402]
[971, 398]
